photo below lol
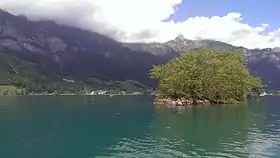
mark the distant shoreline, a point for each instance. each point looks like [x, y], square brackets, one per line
[82, 95]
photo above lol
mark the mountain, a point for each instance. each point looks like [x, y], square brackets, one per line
[262, 62]
[174, 47]
[57, 54]
[30, 76]
[73, 53]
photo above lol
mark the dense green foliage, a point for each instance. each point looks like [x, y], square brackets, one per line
[11, 90]
[219, 76]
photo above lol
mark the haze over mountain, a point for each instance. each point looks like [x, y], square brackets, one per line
[162, 20]
[79, 55]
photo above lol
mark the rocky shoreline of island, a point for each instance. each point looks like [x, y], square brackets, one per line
[181, 102]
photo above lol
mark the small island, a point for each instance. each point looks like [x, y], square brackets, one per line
[205, 77]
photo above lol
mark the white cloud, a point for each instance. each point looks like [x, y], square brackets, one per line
[142, 20]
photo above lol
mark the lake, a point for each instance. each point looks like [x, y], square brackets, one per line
[85, 127]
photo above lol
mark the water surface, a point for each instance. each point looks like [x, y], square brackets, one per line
[82, 127]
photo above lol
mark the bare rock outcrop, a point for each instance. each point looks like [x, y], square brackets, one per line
[181, 102]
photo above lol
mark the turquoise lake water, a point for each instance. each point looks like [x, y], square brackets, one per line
[82, 127]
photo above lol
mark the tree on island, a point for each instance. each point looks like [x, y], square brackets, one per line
[218, 76]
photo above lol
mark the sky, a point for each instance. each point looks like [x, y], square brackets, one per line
[248, 23]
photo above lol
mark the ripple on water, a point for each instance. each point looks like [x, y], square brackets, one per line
[260, 142]
[150, 146]
[263, 143]
[147, 146]
[4, 109]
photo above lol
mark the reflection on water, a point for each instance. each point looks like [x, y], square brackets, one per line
[134, 127]
[217, 131]
[228, 131]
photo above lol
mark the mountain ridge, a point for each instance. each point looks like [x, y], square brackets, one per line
[82, 55]
[262, 62]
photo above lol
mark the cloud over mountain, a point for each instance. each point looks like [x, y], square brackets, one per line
[144, 21]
